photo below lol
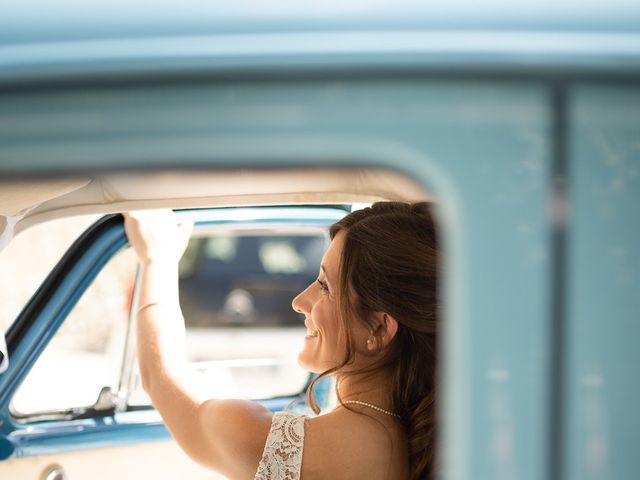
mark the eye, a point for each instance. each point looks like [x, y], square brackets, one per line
[323, 286]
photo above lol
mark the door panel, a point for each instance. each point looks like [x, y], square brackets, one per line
[158, 460]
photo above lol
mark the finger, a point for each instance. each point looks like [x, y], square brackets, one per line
[134, 217]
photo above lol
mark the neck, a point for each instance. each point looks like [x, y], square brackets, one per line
[372, 388]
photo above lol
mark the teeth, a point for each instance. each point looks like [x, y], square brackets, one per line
[311, 333]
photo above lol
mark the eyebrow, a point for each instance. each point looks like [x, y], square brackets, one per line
[325, 272]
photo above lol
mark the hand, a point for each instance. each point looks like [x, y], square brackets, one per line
[156, 236]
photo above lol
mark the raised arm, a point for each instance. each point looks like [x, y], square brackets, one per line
[225, 435]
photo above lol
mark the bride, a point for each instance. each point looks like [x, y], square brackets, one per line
[372, 322]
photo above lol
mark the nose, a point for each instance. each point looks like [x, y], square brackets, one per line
[301, 303]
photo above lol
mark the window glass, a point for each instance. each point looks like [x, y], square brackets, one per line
[236, 288]
[86, 353]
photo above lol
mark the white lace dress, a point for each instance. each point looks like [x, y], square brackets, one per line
[282, 455]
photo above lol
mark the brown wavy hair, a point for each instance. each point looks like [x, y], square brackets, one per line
[390, 263]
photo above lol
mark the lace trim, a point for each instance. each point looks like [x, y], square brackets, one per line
[282, 455]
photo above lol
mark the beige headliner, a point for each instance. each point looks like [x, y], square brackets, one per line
[26, 202]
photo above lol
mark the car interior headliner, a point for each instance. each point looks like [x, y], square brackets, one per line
[25, 202]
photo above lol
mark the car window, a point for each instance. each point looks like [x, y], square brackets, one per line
[236, 288]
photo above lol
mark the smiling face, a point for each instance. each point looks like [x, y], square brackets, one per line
[323, 348]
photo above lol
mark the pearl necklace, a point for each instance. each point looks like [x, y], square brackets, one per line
[365, 404]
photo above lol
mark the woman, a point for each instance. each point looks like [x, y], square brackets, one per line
[371, 321]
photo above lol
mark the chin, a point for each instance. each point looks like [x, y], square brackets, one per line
[310, 366]
[309, 361]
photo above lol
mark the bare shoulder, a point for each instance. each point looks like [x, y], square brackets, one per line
[244, 426]
[359, 446]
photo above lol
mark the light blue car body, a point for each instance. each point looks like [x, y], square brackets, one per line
[523, 119]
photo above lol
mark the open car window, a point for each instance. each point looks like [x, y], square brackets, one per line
[237, 279]
[85, 355]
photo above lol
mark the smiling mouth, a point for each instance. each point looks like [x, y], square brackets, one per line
[311, 333]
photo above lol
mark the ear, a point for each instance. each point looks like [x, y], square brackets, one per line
[384, 329]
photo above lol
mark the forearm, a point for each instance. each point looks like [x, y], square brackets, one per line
[160, 325]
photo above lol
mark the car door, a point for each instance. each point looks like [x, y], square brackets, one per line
[83, 414]
[482, 148]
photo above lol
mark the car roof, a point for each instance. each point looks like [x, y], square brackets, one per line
[61, 39]
[42, 20]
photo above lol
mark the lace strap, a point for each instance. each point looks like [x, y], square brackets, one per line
[282, 455]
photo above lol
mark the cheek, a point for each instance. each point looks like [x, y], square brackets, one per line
[326, 319]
